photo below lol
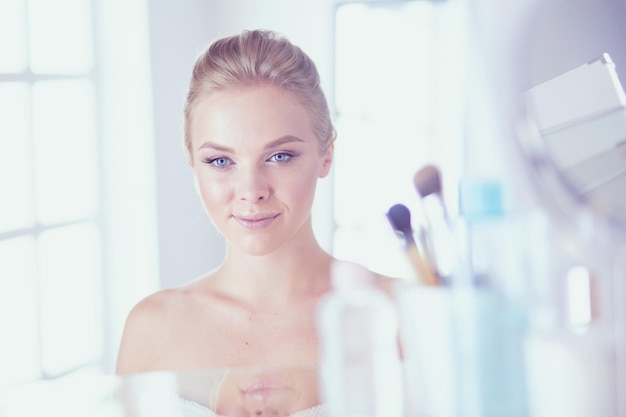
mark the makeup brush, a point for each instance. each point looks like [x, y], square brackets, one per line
[439, 242]
[400, 218]
[427, 182]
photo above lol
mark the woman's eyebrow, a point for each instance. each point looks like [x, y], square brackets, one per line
[283, 140]
[215, 146]
[273, 144]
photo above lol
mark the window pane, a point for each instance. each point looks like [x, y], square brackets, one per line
[60, 36]
[16, 209]
[384, 96]
[65, 150]
[386, 70]
[18, 311]
[69, 264]
[12, 36]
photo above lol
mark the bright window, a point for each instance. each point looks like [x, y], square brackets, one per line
[50, 229]
[383, 96]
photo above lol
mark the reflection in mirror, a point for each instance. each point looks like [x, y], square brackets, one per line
[575, 101]
[214, 392]
[282, 392]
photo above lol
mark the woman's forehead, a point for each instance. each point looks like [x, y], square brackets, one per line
[262, 112]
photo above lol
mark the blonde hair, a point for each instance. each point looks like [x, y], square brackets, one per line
[257, 57]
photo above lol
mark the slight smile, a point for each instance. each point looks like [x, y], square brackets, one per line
[256, 222]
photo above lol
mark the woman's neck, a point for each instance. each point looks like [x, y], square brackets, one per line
[289, 273]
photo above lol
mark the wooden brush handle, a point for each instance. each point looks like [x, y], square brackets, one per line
[424, 270]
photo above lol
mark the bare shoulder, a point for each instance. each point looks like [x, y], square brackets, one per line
[157, 307]
[145, 327]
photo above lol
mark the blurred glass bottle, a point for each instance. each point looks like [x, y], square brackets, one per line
[360, 364]
[490, 312]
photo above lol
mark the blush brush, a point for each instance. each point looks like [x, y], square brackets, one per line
[427, 182]
[400, 218]
[440, 242]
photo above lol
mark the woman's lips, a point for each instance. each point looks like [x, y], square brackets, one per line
[263, 389]
[260, 390]
[256, 222]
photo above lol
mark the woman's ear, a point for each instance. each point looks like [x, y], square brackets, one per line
[326, 161]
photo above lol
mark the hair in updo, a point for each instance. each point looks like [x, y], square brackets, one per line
[259, 57]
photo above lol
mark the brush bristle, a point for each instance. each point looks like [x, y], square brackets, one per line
[400, 218]
[427, 180]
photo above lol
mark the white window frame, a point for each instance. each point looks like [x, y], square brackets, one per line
[126, 218]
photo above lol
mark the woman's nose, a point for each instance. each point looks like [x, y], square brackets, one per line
[252, 185]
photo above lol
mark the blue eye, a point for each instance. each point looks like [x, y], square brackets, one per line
[219, 162]
[281, 157]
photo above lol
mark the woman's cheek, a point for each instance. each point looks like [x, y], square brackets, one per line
[306, 187]
[213, 194]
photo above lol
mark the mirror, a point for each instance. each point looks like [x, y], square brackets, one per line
[574, 70]
[211, 392]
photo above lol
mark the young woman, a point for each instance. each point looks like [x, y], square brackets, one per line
[258, 135]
